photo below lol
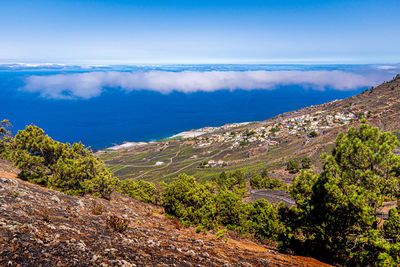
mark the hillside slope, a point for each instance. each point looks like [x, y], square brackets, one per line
[205, 153]
[42, 227]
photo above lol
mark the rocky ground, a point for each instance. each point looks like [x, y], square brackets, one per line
[42, 227]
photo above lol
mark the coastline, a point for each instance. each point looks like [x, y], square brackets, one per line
[182, 135]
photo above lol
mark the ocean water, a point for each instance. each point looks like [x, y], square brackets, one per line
[115, 116]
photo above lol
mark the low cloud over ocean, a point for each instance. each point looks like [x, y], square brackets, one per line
[92, 84]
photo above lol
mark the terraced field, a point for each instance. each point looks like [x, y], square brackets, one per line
[165, 159]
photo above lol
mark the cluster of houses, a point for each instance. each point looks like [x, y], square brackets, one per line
[314, 122]
[268, 134]
[213, 163]
[237, 138]
[206, 130]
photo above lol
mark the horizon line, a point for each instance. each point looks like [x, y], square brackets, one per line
[127, 62]
[166, 63]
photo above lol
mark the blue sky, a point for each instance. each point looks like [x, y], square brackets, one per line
[128, 32]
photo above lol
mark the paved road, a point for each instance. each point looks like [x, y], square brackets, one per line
[273, 196]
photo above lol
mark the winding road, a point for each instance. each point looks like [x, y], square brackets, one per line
[148, 166]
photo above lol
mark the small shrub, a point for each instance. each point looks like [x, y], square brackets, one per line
[221, 233]
[117, 224]
[243, 142]
[313, 134]
[306, 163]
[23, 229]
[198, 229]
[97, 209]
[293, 166]
[249, 133]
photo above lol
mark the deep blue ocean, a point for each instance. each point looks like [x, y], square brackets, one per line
[115, 116]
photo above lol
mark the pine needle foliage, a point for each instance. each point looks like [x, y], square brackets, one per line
[72, 169]
[335, 215]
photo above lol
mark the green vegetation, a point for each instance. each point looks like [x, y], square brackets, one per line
[306, 163]
[141, 190]
[72, 169]
[244, 142]
[221, 233]
[198, 229]
[274, 130]
[231, 179]
[5, 138]
[190, 202]
[203, 164]
[249, 133]
[263, 220]
[397, 134]
[391, 228]
[334, 219]
[293, 166]
[313, 134]
[209, 205]
[263, 181]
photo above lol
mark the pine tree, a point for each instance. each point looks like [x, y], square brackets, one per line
[335, 215]
[6, 138]
[72, 169]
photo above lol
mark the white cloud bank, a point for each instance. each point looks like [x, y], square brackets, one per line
[91, 84]
[387, 67]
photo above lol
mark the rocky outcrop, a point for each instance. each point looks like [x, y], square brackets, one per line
[42, 227]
